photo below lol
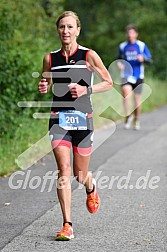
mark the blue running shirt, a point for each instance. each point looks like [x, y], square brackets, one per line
[129, 52]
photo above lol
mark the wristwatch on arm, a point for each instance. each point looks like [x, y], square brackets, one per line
[89, 90]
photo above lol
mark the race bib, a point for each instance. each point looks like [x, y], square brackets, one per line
[72, 120]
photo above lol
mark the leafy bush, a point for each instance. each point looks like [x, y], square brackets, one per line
[27, 34]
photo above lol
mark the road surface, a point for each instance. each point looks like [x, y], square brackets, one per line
[131, 171]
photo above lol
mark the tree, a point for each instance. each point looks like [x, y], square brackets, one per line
[27, 34]
[104, 22]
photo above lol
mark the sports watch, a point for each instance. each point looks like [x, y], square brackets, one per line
[89, 90]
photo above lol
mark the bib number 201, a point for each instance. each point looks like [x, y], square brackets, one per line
[72, 120]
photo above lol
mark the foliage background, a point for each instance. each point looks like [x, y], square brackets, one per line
[28, 32]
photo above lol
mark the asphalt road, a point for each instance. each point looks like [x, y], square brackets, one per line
[132, 216]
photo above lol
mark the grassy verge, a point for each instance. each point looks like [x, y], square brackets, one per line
[108, 105]
[28, 132]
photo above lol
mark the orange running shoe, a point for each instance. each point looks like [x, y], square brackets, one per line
[65, 234]
[93, 200]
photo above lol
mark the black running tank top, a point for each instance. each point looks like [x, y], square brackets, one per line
[75, 71]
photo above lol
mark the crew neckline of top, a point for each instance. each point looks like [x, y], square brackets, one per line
[132, 43]
[71, 53]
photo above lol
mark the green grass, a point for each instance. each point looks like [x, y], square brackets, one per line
[30, 130]
[109, 105]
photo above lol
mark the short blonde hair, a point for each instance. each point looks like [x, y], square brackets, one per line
[67, 14]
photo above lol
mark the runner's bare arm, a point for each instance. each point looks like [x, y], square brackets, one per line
[96, 64]
[46, 74]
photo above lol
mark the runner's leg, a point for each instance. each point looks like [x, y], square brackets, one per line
[137, 98]
[126, 90]
[80, 168]
[62, 155]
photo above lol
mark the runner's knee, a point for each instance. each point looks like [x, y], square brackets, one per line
[64, 169]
